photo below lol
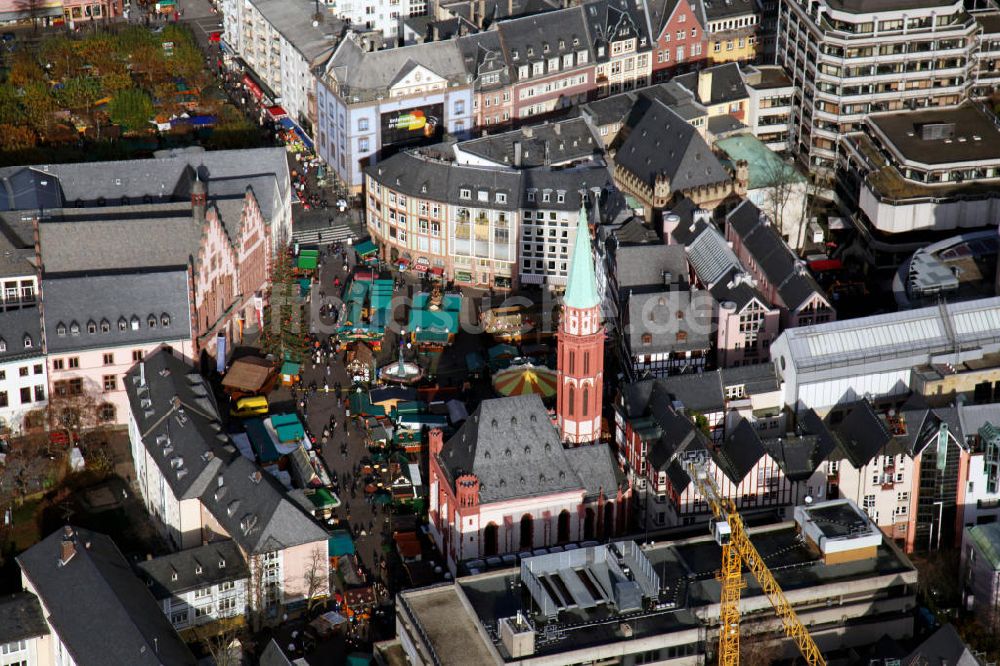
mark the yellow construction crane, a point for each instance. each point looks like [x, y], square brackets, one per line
[737, 550]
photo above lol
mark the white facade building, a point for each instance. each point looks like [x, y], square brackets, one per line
[367, 101]
[847, 59]
[282, 42]
[828, 364]
[23, 373]
[199, 585]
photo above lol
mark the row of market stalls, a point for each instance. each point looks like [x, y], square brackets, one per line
[366, 309]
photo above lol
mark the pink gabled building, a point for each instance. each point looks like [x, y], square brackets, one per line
[780, 276]
[551, 61]
[189, 275]
[505, 484]
[746, 322]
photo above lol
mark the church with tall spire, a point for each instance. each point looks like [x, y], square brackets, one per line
[580, 388]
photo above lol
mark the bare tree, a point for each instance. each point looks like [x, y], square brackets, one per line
[219, 643]
[316, 579]
[33, 9]
[255, 592]
[778, 183]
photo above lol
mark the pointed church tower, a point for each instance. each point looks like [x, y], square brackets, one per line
[581, 347]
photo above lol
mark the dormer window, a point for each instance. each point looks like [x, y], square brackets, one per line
[135, 323]
[513, 54]
[576, 41]
[173, 576]
[465, 193]
[562, 44]
[531, 51]
[545, 47]
[546, 196]
[151, 321]
[560, 197]
[61, 330]
[164, 320]
[531, 195]
[74, 328]
[105, 326]
[122, 324]
[91, 327]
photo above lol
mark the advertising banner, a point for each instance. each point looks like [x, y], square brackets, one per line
[422, 124]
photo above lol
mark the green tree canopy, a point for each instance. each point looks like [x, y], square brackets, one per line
[80, 92]
[39, 105]
[131, 108]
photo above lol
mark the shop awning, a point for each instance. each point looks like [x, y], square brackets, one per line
[252, 86]
[365, 248]
[286, 123]
[276, 112]
[290, 368]
[305, 138]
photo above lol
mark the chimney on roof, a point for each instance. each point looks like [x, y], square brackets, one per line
[545, 153]
[67, 548]
[518, 154]
[705, 86]
[142, 373]
[528, 132]
[557, 128]
[199, 199]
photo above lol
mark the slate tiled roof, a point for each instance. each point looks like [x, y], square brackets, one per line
[792, 280]
[656, 314]
[367, 73]
[740, 451]
[549, 143]
[162, 178]
[108, 305]
[664, 143]
[144, 236]
[256, 513]
[15, 326]
[944, 646]
[643, 266]
[21, 617]
[178, 422]
[100, 610]
[609, 20]
[512, 447]
[251, 506]
[727, 83]
[177, 573]
[545, 35]
[862, 434]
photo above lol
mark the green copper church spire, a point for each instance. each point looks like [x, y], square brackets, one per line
[581, 286]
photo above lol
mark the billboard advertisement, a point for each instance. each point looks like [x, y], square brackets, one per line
[420, 124]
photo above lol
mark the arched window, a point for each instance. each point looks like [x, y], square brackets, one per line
[105, 326]
[91, 327]
[164, 320]
[74, 328]
[135, 323]
[571, 398]
[586, 399]
[151, 321]
[572, 362]
[27, 342]
[122, 324]
[61, 330]
[586, 363]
